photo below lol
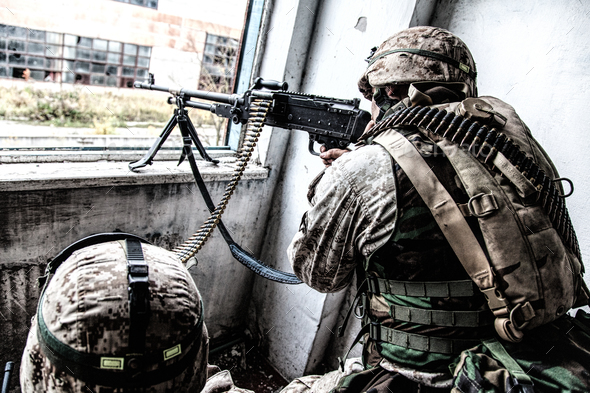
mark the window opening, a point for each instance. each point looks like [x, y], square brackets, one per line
[46, 57]
[218, 65]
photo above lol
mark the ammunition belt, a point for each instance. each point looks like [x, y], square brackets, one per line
[258, 111]
[485, 144]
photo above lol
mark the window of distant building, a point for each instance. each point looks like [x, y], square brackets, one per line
[218, 66]
[144, 3]
[57, 57]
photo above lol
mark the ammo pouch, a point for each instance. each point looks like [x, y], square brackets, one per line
[527, 273]
[552, 358]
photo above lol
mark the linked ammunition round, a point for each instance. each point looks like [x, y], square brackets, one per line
[419, 116]
[463, 127]
[483, 130]
[413, 111]
[427, 117]
[444, 122]
[498, 144]
[400, 115]
[486, 146]
[470, 133]
[452, 126]
[438, 117]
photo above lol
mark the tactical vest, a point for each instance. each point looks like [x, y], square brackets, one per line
[477, 215]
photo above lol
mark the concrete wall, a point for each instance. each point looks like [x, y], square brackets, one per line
[533, 54]
[46, 207]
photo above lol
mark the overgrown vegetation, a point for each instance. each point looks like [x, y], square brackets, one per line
[81, 107]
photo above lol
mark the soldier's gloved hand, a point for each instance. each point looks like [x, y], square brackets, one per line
[328, 156]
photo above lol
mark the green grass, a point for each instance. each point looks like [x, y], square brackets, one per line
[83, 108]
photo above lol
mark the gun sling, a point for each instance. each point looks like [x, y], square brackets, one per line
[242, 256]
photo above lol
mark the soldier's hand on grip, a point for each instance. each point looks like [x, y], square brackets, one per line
[328, 156]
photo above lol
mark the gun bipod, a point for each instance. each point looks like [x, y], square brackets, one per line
[181, 119]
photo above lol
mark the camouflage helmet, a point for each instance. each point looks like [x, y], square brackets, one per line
[419, 54]
[97, 329]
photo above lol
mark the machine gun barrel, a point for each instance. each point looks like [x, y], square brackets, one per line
[195, 104]
[187, 93]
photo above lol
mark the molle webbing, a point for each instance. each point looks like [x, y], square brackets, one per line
[494, 149]
[441, 289]
[460, 288]
[419, 342]
[447, 318]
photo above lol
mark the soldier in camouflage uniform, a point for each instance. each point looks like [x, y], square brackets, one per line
[366, 215]
[82, 338]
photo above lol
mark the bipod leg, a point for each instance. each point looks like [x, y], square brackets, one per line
[195, 137]
[149, 156]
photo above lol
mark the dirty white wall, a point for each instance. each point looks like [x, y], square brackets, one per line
[533, 54]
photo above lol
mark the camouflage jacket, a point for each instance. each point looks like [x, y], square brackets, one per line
[353, 213]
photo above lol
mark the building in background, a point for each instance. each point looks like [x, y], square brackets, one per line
[111, 43]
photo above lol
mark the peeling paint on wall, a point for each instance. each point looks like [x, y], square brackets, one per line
[361, 24]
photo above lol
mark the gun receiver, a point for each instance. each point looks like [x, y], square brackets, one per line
[332, 122]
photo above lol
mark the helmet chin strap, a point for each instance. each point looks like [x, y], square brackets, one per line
[383, 102]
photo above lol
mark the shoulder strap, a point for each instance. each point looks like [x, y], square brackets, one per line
[238, 252]
[444, 209]
[447, 214]
[500, 354]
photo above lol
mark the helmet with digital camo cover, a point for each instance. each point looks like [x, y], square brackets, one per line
[419, 54]
[117, 316]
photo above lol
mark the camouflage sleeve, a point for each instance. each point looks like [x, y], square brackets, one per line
[352, 214]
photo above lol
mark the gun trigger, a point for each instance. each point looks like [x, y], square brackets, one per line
[310, 147]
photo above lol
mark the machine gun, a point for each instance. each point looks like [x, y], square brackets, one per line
[332, 122]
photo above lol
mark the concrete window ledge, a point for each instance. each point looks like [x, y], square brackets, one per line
[67, 175]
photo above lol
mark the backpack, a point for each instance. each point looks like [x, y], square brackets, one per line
[529, 267]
